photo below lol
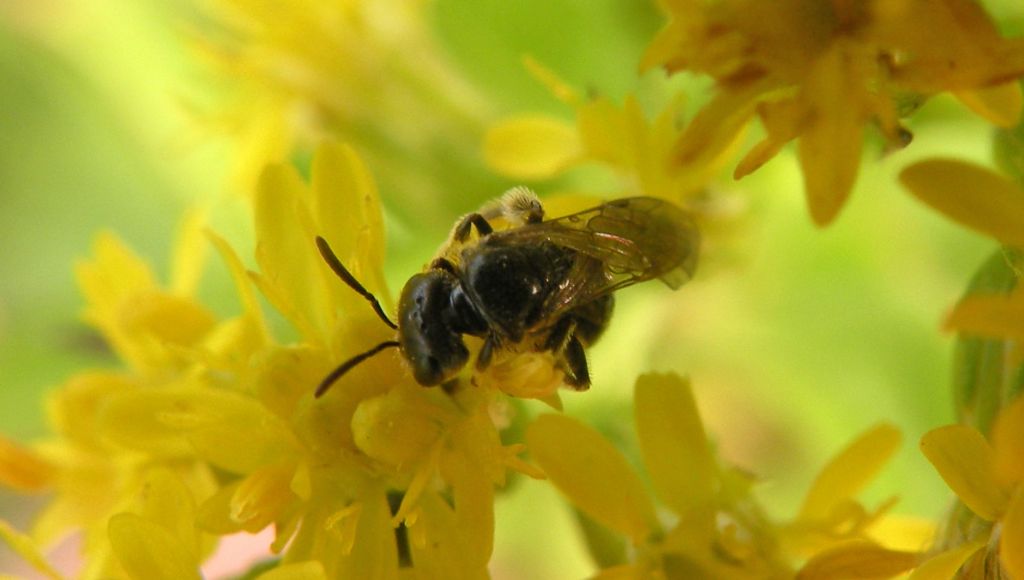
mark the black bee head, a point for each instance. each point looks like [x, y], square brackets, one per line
[434, 350]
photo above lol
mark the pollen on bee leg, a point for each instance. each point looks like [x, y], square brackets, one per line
[517, 206]
[529, 375]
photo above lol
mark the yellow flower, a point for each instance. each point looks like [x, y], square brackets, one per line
[620, 137]
[157, 538]
[820, 71]
[377, 475]
[718, 529]
[140, 321]
[160, 334]
[366, 72]
[988, 477]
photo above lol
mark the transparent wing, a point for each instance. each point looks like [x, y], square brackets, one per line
[619, 243]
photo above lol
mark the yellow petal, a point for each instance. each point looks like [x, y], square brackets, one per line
[114, 273]
[664, 49]
[189, 254]
[243, 284]
[283, 376]
[944, 566]
[558, 87]
[25, 547]
[850, 471]
[165, 500]
[994, 316]
[347, 211]
[133, 419]
[231, 431]
[1011, 544]
[218, 513]
[473, 495]
[112, 277]
[715, 128]
[214, 514]
[73, 408]
[903, 532]
[531, 146]
[148, 550]
[783, 120]
[1008, 442]
[831, 143]
[609, 133]
[286, 251]
[674, 446]
[955, 44]
[964, 460]
[595, 476]
[373, 553]
[439, 545]
[857, 559]
[22, 470]
[971, 195]
[169, 319]
[296, 571]
[999, 104]
[434, 551]
[263, 497]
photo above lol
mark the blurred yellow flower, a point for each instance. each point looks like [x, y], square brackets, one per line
[365, 72]
[718, 529]
[820, 71]
[620, 137]
[159, 333]
[988, 477]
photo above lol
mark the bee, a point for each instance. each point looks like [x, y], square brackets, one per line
[542, 286]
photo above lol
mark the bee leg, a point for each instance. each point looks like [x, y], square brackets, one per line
[575, 359]
[560, 333]
[483, 359]
[569, 353]
[461, 231]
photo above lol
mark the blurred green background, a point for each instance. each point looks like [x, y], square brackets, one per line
[796, 341]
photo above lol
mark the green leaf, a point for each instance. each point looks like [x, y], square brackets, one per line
[1009, 151]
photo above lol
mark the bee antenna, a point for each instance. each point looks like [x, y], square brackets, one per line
[347, 366]
[348, 278]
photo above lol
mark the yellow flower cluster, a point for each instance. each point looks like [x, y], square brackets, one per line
[984, 463]
[717, 528]
[988, 477]
[211, 426]
[818, 71]
[213, 429]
